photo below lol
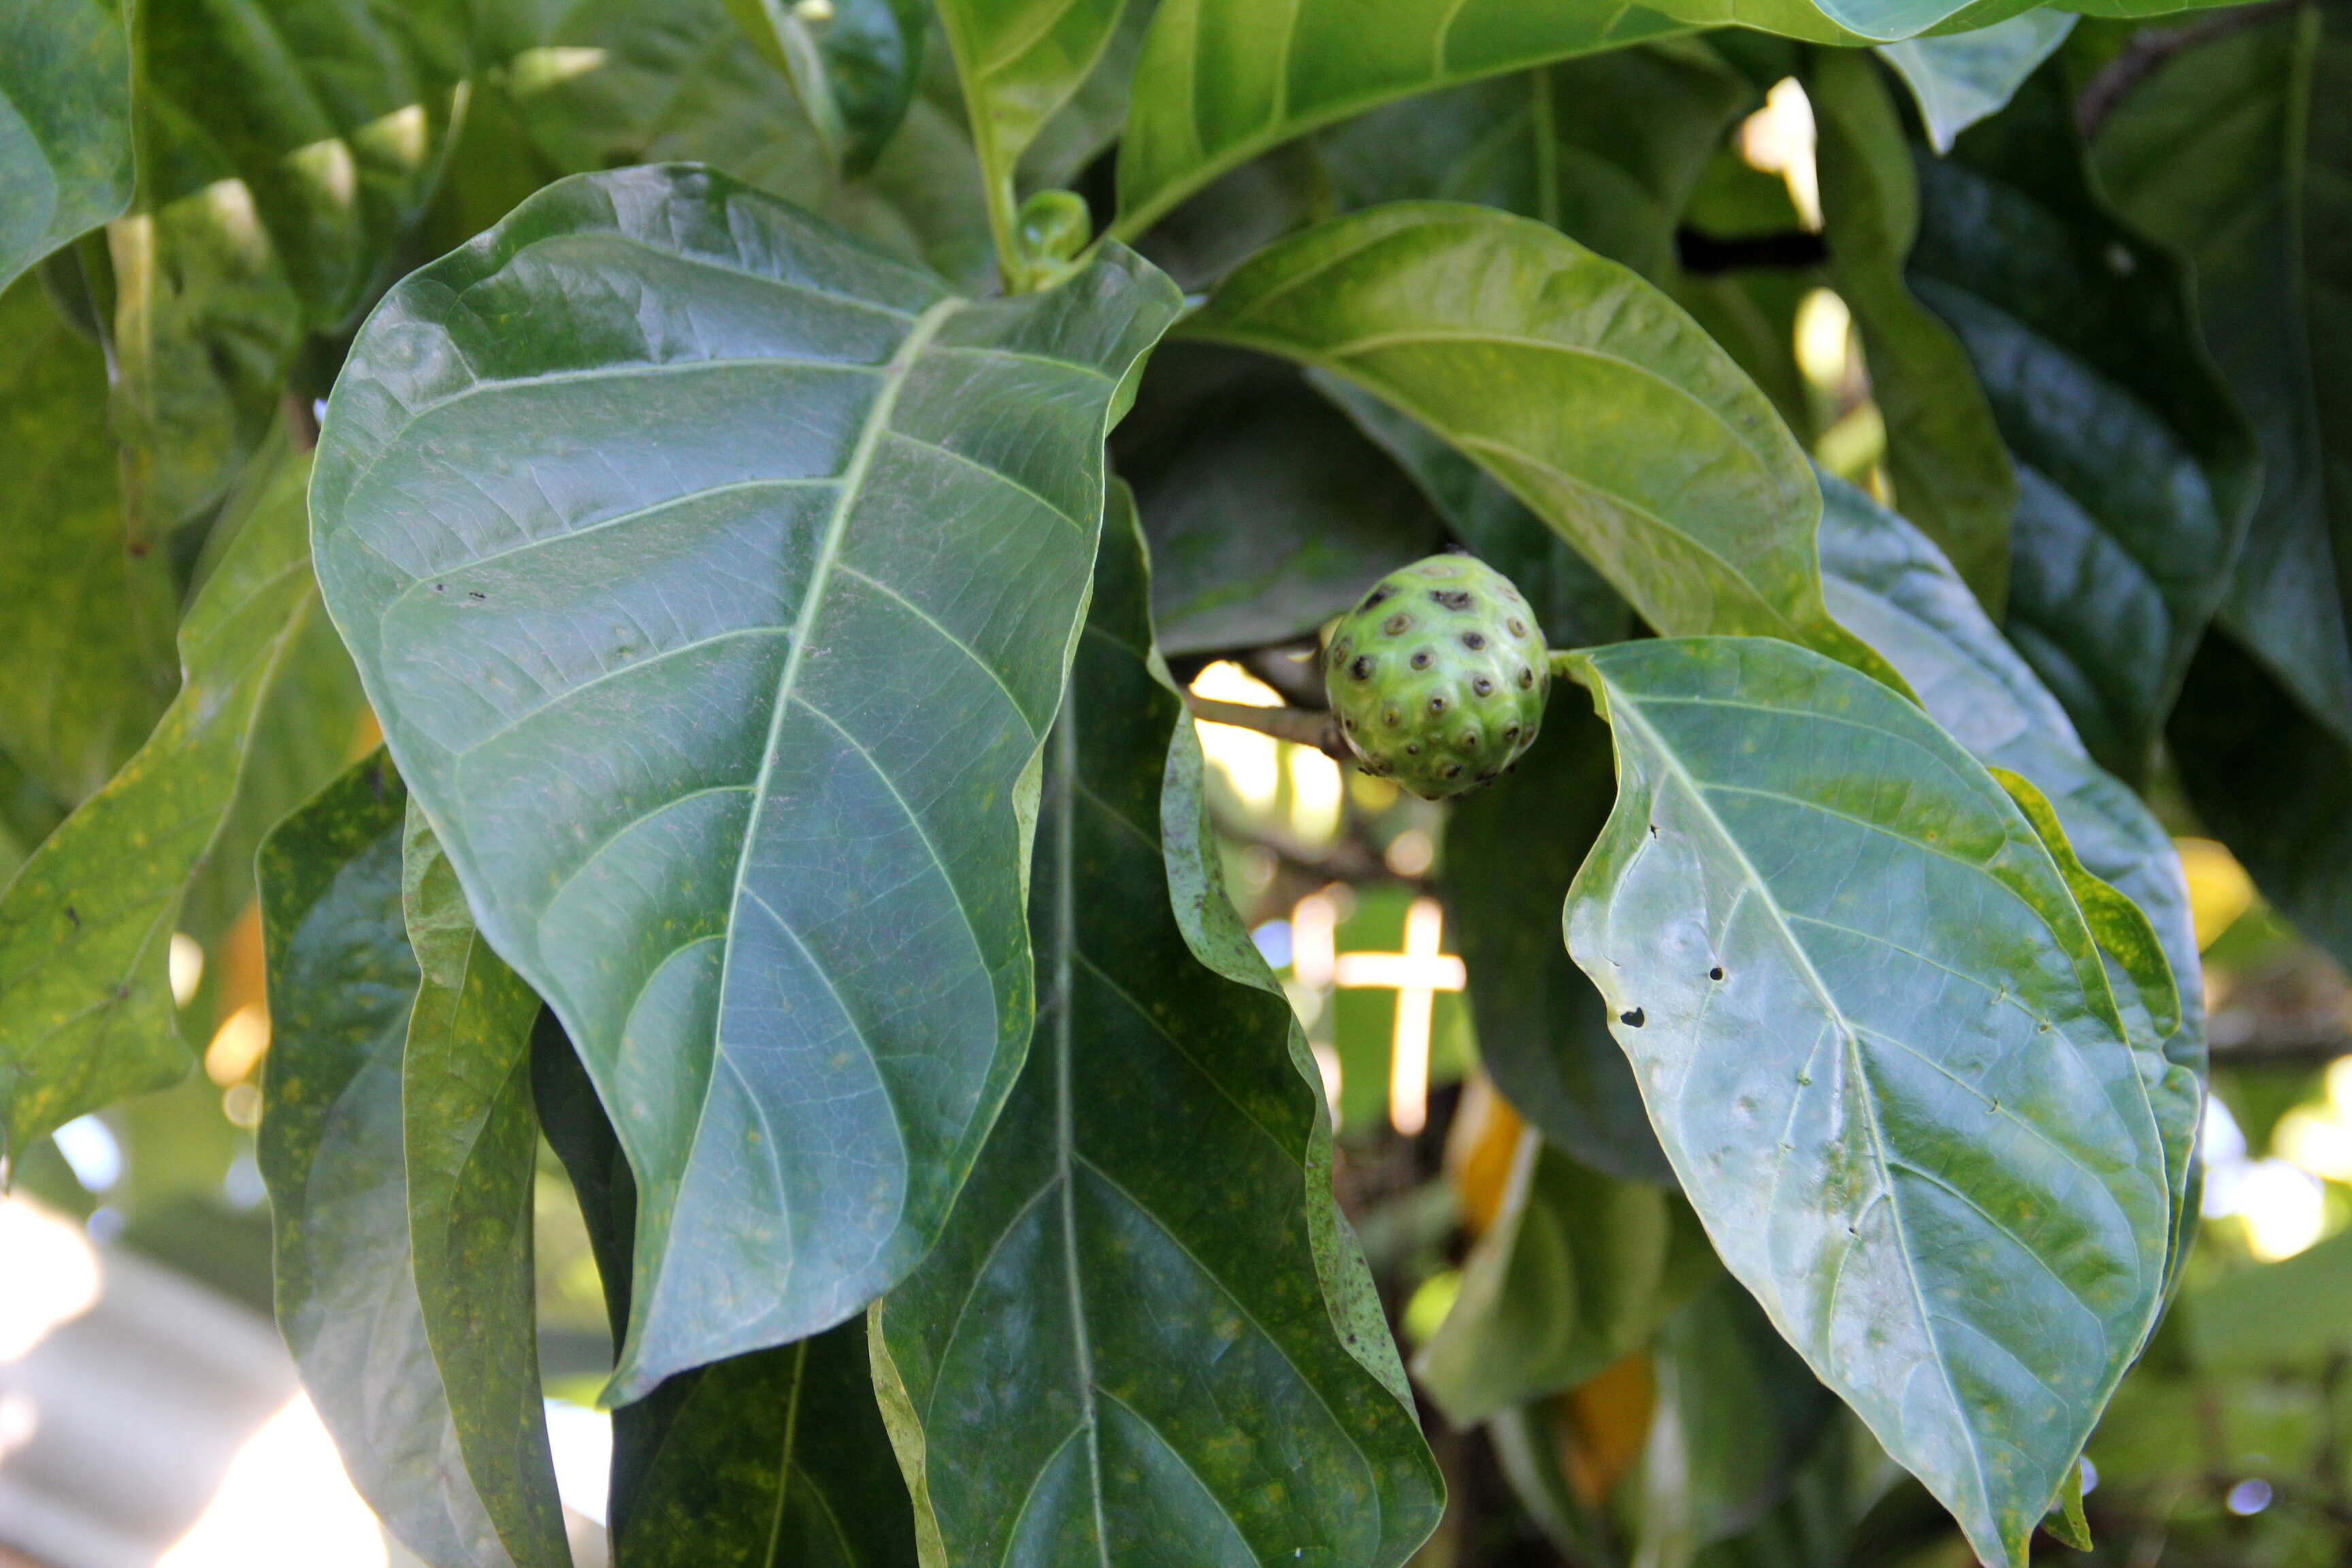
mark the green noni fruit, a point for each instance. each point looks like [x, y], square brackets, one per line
[1438, 677]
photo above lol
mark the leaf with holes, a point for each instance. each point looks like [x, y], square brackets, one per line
[1879, 1044]
[1146, 1322]
[725, 720]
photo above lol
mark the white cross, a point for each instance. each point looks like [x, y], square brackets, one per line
[1416, 975]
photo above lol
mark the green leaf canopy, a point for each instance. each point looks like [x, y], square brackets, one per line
[1880, 1047]
[715, 578]
[1145, 1323]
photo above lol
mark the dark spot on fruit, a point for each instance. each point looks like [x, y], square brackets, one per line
[1349, 723]
[1391, 717]
[1396, 624]
[1484, 687]
[1526, 678]
[1450, 770]
[1437, 703]
[1633, 1020]
[1518, 626]
[1474, 641]
[1362, 668]
[1512, 733]
[1489, 776]
[1716, 973]
[1421, 659]
[1377, 597]
[1451, 598]
[1412, 748]
[1469, 741]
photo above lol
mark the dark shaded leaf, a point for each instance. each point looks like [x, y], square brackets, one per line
[1944, 451]
[85, 624]
[853, 69]
[469, 1141]
[1536, 357]
[64, 125]
[343, 986]
[1577, 1272]
[1146, 1322]
[1088, 122]
[722, 721]
[2269, 780]
[2135, 468]
[696, 1463]
[86, 1014]
[1267, 514]
[1606, 150]
[1879, 1045]
[1740, 1418]
[1543, 1034]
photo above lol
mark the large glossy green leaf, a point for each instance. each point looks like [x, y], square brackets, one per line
[1581, 388]
[64, 125]
[1880, 1047]
[2268, 779]
[723, 717]
[85, 624]
[1543, 1032]
[1891, 584]
[1960, 80]
[1021, 62]
[86, 1014]
[353, 1301]
[2230, 152]
[1146, 1322]
[1267, 514]
[853, 66]
[2135, 468]
[621, 81]
[1221, 81]
[1607, 150]
[1577, 1272]
[769, 1461]
[470, 1143]
[1944, 450]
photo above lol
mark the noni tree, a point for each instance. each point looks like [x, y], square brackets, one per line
[647, 580]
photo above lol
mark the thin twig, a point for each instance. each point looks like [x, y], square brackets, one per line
[2149, 49]
[1320, 731]
[1789, 251]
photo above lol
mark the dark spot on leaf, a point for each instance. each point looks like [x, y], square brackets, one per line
[440, 587]
[471, 595]
[74, 915]
[1654, 830]
[1716, 973]
[1633, 1020]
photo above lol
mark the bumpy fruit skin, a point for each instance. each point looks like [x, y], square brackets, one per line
[1439, 676]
